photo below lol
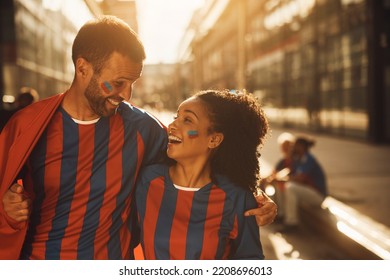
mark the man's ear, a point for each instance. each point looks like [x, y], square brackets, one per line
[215, 140]
[83, 68]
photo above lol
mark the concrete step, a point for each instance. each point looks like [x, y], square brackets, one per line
[353, 231]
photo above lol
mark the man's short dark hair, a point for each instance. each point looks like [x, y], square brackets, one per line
[99, 38]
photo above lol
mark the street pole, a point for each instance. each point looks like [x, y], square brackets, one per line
[241, 77]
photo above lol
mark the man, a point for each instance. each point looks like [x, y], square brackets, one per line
[79, 154]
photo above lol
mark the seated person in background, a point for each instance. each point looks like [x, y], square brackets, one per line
[194, 207]
[286, 143]
[306, 182]
[281, 171]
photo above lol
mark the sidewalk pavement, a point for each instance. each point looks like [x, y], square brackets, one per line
[358, 173]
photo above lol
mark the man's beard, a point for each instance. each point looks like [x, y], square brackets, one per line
[96, 100]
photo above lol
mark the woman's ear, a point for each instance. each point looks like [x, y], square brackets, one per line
[215, 140]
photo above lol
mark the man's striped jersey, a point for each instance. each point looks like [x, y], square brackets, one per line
[83, 177]
[205, 224]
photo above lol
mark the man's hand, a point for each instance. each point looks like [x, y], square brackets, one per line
[266, 213]
[16, 204]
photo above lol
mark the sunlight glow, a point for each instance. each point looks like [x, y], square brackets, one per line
[362, 239]
[77, 13]
[161, 26]
[286, 13]
[270, 190]
[283, 249]
[362, 229]
[8, 98]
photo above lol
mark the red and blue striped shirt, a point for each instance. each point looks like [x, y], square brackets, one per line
[205, 224]
[83, 178]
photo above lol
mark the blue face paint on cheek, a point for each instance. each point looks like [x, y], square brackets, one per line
[107, 87]
[192, 133]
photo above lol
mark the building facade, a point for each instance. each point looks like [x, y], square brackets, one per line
[157, 87]
[36, 40]
[321, 65]
[124, 9]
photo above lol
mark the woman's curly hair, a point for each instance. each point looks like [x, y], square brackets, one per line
[244, 125]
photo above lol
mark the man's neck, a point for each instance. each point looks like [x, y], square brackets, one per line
[76, 105]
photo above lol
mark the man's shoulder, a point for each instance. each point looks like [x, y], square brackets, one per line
[153, 171]
[50, 102]
[37, 111]
[135, 114]
[156, 169]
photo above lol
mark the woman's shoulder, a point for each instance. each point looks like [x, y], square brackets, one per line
[240, 198]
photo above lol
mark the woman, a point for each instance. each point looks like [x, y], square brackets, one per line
[192, 208]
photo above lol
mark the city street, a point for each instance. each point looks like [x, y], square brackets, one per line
[320, 69]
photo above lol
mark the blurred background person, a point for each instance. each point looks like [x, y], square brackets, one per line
[26, 97]
[281, 171]
[306, 182]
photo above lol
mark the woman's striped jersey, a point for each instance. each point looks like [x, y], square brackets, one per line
[205, 224]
